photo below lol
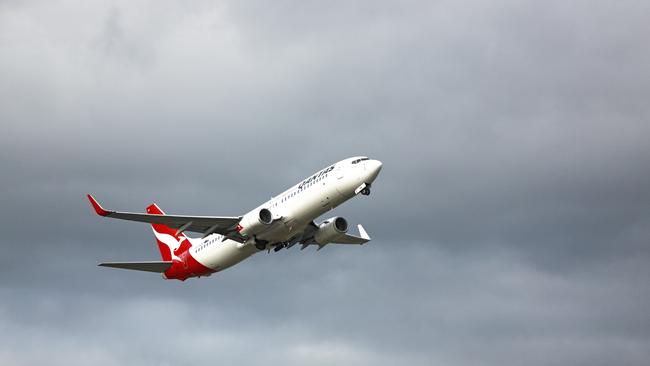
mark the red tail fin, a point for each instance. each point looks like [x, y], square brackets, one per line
[169, 244]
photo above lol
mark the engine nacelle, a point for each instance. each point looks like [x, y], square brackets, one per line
[330, 230]
[256, 221]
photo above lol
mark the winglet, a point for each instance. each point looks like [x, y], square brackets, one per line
[98, 208]
[363, 233]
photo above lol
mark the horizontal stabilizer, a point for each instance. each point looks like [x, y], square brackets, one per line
[157, 267]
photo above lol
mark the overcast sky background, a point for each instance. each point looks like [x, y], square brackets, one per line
[510, 223]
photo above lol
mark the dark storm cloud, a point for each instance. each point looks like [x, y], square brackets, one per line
[511, 217]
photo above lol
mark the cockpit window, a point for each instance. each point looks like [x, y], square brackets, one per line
[358, 160]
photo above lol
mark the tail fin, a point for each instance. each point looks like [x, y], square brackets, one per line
[170, 244]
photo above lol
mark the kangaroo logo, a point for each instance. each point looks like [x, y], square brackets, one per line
[171, 242]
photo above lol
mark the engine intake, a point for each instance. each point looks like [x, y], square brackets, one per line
[331, 229]
[265, 216]
[256, 222]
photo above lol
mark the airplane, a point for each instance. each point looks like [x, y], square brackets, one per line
[282, 222]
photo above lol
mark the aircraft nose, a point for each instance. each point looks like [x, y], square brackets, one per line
[373, 167]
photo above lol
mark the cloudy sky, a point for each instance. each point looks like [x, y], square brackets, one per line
[510, 223]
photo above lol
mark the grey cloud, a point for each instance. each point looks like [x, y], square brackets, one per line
[444, 308]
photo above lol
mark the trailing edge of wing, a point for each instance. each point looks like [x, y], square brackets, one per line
[224, 225]
[157, 267]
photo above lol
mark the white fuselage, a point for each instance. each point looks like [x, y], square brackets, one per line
[292, 210]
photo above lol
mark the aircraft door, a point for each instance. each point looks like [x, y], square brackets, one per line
[332, 194]
[325, 197]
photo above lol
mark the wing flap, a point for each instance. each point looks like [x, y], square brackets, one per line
[158, 267]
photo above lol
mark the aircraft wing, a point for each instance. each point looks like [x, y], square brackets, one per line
[351, 239]
[224, 225]
[308, 238]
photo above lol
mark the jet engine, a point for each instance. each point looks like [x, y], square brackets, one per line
[256, 221]
[330, 229]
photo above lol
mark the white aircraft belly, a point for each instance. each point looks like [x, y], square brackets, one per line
[223, 254]
[280, 230]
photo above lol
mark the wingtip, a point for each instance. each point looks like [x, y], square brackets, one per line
[363, 233]
[98, 208]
